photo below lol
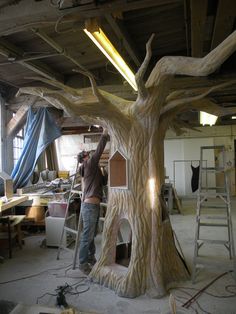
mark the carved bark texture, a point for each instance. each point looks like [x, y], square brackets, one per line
[137, 129]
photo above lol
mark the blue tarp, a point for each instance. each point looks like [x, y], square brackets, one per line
[41, 130]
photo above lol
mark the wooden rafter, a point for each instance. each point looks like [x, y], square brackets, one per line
[123, 37]
[198, 19]
[224, 21]
[57, 47]
[17, 122]
[94, 10]
[9, 50]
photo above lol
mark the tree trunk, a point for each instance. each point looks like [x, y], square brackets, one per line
[137, 129]
[154, 260]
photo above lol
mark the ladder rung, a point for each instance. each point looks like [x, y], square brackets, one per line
[206, 224]
[215, 262]
[75, 192]
[213, 168]
[66, 248]
[70, 217]
[214, 195]
[213, 147]
[213, 206]
[224, 242]
[212, 187]
[70, 230]
[212, 217]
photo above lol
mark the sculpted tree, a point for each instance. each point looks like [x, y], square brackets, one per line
[137, 129]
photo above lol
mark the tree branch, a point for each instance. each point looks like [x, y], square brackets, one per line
[177, 126]
[92, 82]
[142, 92]
[67, 89]
[210, 107]
[78, 107]
[177, 103]
[61, 102]
[119, 102]
[169, 66]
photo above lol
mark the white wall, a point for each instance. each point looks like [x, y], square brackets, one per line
[174, 150]
[178, 156]
[189, 149]
[186, 148]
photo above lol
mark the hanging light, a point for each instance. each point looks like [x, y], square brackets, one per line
[207, 118]
[106, 47]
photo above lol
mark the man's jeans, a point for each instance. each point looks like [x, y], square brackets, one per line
[90, 216]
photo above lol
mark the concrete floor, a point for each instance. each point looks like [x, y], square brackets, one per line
[34, 271]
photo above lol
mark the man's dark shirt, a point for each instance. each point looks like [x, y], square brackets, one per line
[92, 174]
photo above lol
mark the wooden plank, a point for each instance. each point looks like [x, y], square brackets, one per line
[8, 185]
[17, 121]
[176, 200]
[16, 200]
[198, 19]
[224, 21]
[95, 10]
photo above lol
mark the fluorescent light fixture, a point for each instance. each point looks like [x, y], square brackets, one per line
[207, 118]
[104, 44]
[233, 117]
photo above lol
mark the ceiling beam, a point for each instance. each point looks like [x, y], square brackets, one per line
[185, 82]
[9, 50]
[62, 51]
[15, 103]
[198, 19]
[124, 38]
[19, 119]
[17, 122]
[224, 22]
[93, 10]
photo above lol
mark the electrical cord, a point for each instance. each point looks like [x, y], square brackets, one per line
[33, 275]
[193, 298]
[62, 291]
[233, 294]
[73, 277]
[197, 303]
[42, 296]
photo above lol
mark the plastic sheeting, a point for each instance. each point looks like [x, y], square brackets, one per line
[41, 130]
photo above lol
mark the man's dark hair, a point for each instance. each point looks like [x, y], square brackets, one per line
[82, 155]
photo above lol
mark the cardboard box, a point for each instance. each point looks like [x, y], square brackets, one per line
[36, 213]
[63, 174]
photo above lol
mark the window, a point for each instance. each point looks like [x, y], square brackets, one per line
[18, 145]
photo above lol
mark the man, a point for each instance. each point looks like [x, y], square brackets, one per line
[90, 206]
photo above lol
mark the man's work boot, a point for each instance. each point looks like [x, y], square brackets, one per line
[92, 260]
[85, 268]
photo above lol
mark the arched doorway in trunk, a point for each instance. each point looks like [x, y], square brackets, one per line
[124, 243]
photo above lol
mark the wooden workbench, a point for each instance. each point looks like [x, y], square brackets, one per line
[15, 200]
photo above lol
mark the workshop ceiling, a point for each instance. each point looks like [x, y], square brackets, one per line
[46, 38]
